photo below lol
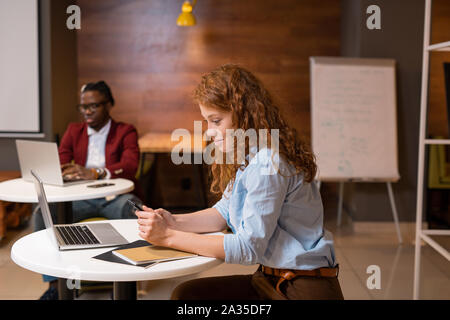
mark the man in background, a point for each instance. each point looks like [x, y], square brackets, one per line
[97, 148]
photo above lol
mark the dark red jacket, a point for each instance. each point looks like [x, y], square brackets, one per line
[121, 149]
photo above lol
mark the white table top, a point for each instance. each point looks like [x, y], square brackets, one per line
[19, 190]
[37, 252]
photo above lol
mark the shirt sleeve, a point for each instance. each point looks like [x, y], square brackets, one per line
[129, 159]
[108, 174]
[65, 149]
[223, 205]
[261, 211]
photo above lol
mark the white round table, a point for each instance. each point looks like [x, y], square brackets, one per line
[19, 190]
[37, 252]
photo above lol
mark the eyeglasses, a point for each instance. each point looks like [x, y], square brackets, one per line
[92, 107]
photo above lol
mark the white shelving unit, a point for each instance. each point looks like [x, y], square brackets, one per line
[423, 234]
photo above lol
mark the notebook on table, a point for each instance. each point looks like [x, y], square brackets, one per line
[110, 257]
[151, 254]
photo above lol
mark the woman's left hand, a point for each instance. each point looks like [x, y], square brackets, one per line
[153, 227]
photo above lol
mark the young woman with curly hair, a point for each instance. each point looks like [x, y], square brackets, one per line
[270, 202]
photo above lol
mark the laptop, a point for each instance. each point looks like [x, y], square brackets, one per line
[43, 158]
[76, 236]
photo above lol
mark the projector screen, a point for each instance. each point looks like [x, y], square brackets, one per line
[19, 68]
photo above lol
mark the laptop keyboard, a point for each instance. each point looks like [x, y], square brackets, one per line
[77, 235]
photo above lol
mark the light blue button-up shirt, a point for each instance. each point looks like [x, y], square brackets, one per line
[276, 220]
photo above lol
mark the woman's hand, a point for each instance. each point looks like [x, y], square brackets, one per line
[160, 227]
[72, 171]
[155, 225]
[167, 216]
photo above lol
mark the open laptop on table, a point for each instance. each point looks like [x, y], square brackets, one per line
[76, 236]
[43, 158]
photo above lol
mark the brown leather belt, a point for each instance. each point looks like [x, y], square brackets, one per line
[320, 272]
[289, 274]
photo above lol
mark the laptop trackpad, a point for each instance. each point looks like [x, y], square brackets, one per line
[106, 233]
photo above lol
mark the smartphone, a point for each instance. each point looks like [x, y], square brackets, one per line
[100, 185]
[135, 205]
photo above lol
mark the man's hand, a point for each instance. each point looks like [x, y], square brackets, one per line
[72, 172]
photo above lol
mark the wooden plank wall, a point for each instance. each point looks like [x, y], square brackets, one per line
[153, 66]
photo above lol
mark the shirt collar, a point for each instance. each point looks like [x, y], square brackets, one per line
[102, 131]
[253, 150]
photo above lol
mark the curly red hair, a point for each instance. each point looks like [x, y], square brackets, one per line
[231, 88]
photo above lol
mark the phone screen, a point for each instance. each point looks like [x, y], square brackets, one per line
[135, 205]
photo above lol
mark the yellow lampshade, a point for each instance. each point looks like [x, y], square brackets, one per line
[186, 18]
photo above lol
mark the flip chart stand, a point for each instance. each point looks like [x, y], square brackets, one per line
[391, 200]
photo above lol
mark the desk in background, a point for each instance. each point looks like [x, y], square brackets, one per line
[159, 146]
[162, 143]
[12, 214]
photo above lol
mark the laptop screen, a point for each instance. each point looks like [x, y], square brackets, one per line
[45, 210]
[42, 158]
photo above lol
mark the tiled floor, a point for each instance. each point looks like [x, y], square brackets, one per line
[356, 249]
